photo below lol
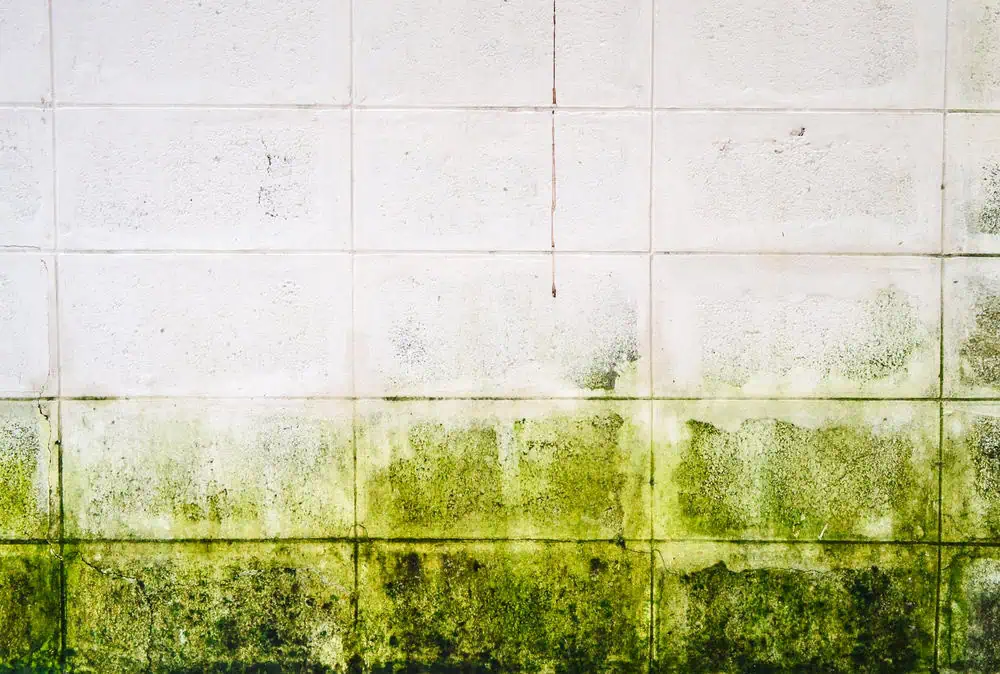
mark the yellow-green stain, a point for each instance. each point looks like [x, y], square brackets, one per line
[798, 471]
[574, 473]
[513, 607]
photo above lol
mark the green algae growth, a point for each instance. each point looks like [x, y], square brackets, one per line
[806, 608]
[29, 609]
[215, 469]
[514, 607]
[529, 470]
[240, 607]
[970, 611]
[25, 441]
[799, 471]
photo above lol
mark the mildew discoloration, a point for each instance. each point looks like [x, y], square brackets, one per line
[796, 470]
[244, 607]
[26, 444]
[980, 351]
[977, 52]
[215, 468]
[986, 214]
[970, 611]
[724, 608]
[496, 469]
[774, 325]
[507, 607]
[29, 609]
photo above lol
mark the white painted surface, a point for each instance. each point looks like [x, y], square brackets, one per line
[202, 51]
[24, 51]
[204, 179]
[777, 53]
[205, 324]
[513, 338]
[27, 365]
[452, 180]
[798, 182]
[26, 200]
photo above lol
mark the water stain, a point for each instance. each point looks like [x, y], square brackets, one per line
[504, 608]
[840, 610]
[209, 608]
[771, 478]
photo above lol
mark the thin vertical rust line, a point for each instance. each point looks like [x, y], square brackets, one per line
[552, 210]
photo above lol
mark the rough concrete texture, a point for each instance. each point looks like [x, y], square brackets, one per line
[496, 336]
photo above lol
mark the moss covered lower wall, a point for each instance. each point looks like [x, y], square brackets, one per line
[500, 536]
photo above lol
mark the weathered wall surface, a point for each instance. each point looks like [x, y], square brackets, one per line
[500, 336]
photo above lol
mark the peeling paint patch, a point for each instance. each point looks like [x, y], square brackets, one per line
[26, 437]
[496, 469]
[242, 607]
[796, 470]
[208, 468]
[29, 609]
[724, 608]
[513, 607]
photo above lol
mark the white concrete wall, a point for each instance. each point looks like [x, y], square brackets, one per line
[208, 203]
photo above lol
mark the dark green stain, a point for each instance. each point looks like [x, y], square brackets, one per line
[29, 608]
[780, 615]
[562, 608]
[771, 478]
[572, 474]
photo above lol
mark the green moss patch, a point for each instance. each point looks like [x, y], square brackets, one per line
[513, 607]
[29, 608]
[209, 608]
[731, 609]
